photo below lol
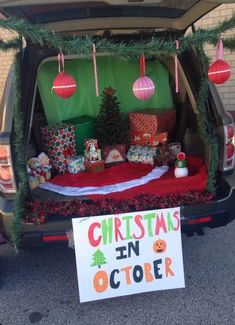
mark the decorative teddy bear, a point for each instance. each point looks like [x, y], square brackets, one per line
[45, 165]
[39, 170]
[36, 175]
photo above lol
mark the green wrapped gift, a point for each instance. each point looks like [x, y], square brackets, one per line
[85, 128]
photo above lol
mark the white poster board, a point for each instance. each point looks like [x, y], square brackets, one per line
[129, 253]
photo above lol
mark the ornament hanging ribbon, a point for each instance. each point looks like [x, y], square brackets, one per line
[176, 68]
[60, 58]
[219, 50]
[142, 66]
[95, 70]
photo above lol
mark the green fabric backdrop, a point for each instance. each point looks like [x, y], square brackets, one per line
[112, 71]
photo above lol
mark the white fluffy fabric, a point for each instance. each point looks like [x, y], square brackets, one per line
[156, 173]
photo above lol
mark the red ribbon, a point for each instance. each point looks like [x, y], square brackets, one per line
[219, 50]
[142, 65]
[60, 62]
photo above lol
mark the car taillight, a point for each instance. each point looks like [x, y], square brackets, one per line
[7, 181]
[229, 148]
[230, 131]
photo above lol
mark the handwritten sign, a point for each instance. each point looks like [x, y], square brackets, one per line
[128, 253]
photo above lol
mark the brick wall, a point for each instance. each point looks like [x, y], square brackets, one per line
[5, 60]
[227, 91]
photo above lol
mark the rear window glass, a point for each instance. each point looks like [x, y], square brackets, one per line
[85, 10]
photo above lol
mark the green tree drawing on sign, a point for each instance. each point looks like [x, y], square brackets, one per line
[98, 258]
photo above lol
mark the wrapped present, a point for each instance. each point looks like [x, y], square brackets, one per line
[152, 120]
[59, 143]
[94, 167]
[85, 127]
[114, 153]
[76, 164]
[92, 152]
[140, 154]
[148, 139]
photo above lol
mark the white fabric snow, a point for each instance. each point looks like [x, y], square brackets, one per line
[156, 173]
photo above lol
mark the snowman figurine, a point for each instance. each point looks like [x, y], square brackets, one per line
[181, 169]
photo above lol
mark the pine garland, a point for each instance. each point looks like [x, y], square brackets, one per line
[19, 156]
[206, 135]
[9, 45]
[42, 37]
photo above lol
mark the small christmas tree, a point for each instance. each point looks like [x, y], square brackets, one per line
[98, 258]
[111, 128]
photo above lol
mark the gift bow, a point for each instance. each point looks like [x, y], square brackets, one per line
[68, 152]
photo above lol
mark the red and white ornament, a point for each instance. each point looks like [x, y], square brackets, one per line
[143, 88]
[181, 169]
[64, 85]
[219, 71]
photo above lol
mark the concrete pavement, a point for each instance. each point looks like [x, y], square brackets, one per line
[40, 287]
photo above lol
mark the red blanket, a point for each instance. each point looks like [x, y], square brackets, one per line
[197, 179]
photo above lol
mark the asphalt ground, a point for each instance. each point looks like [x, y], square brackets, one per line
[40, 287]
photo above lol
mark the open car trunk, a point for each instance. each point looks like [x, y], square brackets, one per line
[50, 109]
[118, 21]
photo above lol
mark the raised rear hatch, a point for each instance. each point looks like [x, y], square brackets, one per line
[69, 16]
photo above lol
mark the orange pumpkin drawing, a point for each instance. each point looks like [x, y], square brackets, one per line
[159, 246]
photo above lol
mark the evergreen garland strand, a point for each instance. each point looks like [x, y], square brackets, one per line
[19, 157]
[9, 45]
[38, 35]
[205, 133]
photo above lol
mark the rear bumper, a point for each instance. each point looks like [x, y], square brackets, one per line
[193, 220]
[55, 232]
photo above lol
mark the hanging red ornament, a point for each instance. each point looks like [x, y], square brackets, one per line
[64, 85]
[143, 88]
[219, 71]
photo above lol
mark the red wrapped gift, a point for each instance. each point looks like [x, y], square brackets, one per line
[148, 139]
[152, 120]
[60, 144]
[94, 167]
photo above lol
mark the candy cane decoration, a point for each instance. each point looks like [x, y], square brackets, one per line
[176, 68]
[95, 70]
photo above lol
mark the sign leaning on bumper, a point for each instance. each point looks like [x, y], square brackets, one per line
[129, 253]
